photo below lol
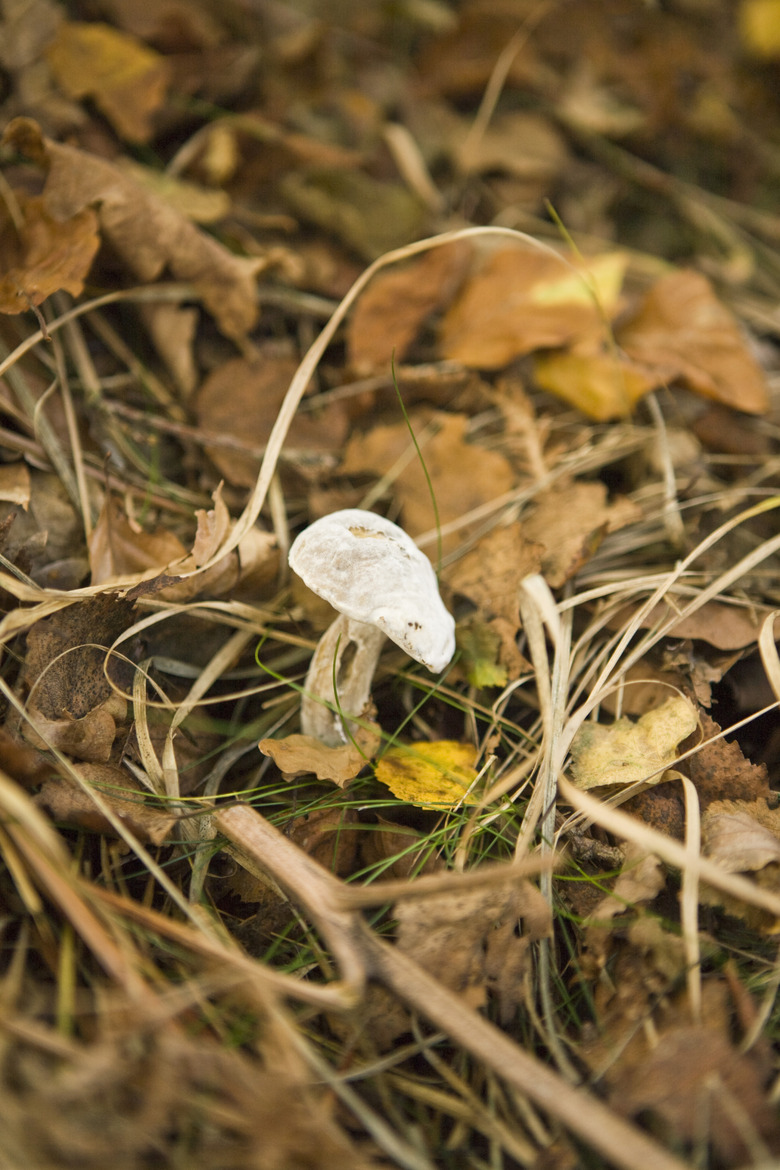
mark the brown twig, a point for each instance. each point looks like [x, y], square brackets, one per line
[361, 955]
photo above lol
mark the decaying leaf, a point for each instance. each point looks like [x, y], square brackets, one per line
[240, 400]
[148, 234]
[299, 755]
[368, 215]
[89, 738]
[119, 548]
[430, 775]
[720, 771]
[470, 939]
[639, 881]
[15, 484]
[729, 627]
[480, 645]
[488, 574]
[43, 252]
[702, 1087]
[126, 78]
[742, 836]
[628, 752]
[68, 803]
[330, 836]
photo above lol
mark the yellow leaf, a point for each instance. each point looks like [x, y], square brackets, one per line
[629, 752]
[601, 385]
[759, 27]
[431, 775]
[127, 79]
[601, 276]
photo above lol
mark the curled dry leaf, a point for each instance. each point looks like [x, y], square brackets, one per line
[148, 234]
[119, 549]
[628, 752]
[90, 738]
[44, 252]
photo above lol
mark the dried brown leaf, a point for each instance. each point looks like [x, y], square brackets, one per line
[89, 738]
[15, 484]
[44, 253]
[330, 836]
[464, 475]
[148, 234]
[720, 771]
[63, 670]
[742, 836]
[449, 934]
[522, 300]
[489, 572]
[119, 548]
[390, 313]
[700, 1086]
[571, 520]
[68, 803]
[240, 400]
[299, 755]
[729, 627]
[682, 331]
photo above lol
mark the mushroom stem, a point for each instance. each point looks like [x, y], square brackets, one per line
[349, 651]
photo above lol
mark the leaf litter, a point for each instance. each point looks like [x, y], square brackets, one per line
[586, 354]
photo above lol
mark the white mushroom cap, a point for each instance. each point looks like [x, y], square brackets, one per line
[370, 570]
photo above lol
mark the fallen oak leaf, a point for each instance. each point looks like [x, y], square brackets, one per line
[148, 234]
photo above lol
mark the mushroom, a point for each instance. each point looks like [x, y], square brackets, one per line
[374, 574]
